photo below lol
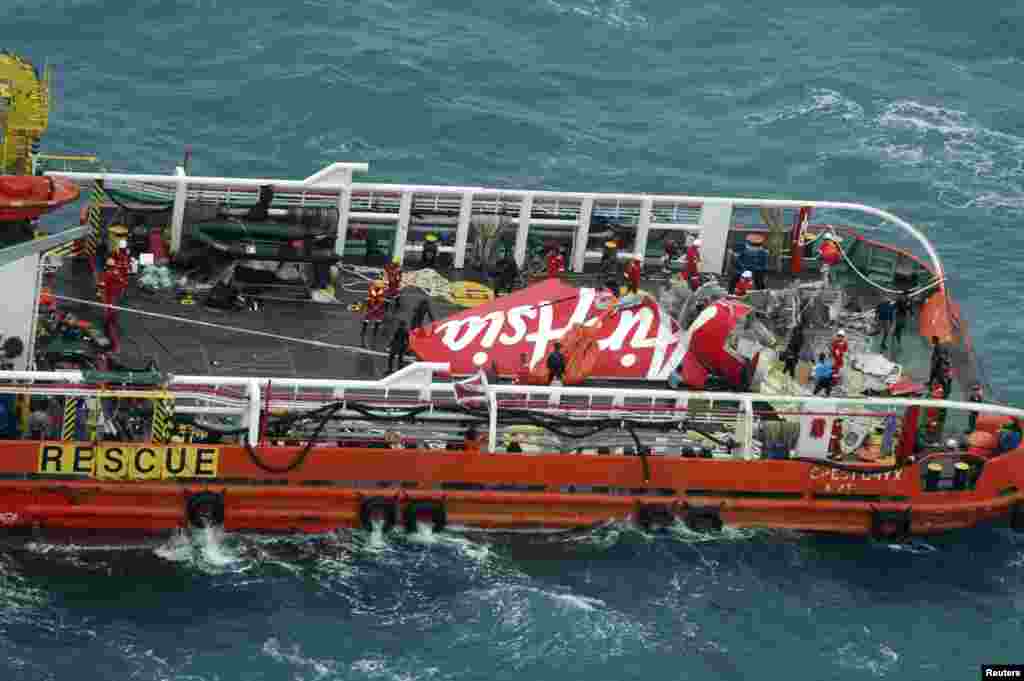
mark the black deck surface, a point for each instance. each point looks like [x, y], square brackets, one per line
[183, 348]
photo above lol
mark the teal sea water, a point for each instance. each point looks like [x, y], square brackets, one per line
[912, 107]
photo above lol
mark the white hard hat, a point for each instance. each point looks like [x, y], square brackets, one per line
[748, 274]
[698, 243]
[841, 333]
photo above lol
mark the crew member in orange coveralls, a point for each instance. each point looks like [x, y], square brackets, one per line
[633, 274]
[744, 284]
[374, 310]
[693, 264]
[556, 263]
[839, 349]
[393, 272]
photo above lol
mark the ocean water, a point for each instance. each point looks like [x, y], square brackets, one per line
[913, 107]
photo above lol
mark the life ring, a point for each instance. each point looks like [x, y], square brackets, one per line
[438, 515]
[378, 508]
[204, 509]
[655, 516]
[703, 519]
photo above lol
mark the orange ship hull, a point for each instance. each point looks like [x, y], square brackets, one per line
[156, 489]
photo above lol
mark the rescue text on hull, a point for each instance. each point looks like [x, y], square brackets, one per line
[156, 489]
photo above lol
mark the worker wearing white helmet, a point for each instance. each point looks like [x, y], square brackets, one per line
[744, 284]
[839, 350]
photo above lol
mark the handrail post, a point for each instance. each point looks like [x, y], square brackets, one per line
[748, 428]
[255, 410]
[402, 231]
[525, 213]
[178, 214]
[582, 235]
[462, 231]
[344, 206]
[492, 426]
[643, 227]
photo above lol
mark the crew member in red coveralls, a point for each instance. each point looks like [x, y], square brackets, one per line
[556, 263]
[834, 449]
[523, 374]
[393, 272]
[633, 274]
[112, 284]
[744, 284]
[374, 310]
[693, 264]
[839, 350]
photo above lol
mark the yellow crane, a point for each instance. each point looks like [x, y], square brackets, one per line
[24, 112]
[24, 117]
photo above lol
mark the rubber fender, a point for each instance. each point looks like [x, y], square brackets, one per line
[378, 506]
[205, 508]
[704, 519]
[1017, 517]
[890, 524]
[655, 516]
[438, 514]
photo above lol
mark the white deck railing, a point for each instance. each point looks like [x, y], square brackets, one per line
[395, 203]
[415, 386]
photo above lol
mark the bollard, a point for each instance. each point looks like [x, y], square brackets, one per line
[960, 471]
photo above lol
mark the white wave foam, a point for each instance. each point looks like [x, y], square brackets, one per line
[615, 13]
[574, 601]
[969, 165]
[820, 103]
[204, 548]
[878, 660]
[294, 657]
[177, 549]
[425, 535]
[914, 547]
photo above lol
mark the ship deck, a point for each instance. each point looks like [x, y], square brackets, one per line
[182, 348]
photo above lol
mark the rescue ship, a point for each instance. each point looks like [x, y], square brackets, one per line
[216, 350]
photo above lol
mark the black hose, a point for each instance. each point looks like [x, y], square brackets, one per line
[642, 451]
[326, 414]
[301, 456]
